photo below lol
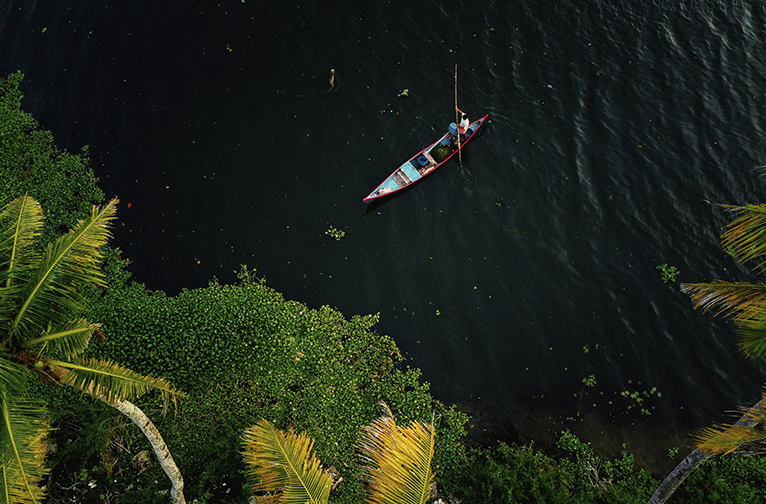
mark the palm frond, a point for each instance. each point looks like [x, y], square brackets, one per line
[22, 449]
[739, 299]
[71, 338]
[750, 431]
[745, 236]
[14, 377]
[725, 439]
[283, 462]
[102, 378]
[745, 302]
[20, 223]
[69, 264]
[398, 461]
[753, 332]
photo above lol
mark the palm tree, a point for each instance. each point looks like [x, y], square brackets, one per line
[745, 239]
[397, 463]
[39, 340]
[283, 463]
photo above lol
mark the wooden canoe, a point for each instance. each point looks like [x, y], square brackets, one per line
[424, 162]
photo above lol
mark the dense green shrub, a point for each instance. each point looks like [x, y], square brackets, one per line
[519, 474]
[63, 183]
[242, 352]
[728, 479]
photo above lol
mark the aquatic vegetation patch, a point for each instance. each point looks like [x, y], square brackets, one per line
[668, 273]
[335, 233]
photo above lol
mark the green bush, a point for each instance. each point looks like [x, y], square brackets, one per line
[728, 479]
[513, 474]
[242, 352]
[63, 183]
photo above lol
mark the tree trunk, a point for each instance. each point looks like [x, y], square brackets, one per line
[151, 433]
[673, 480]
[167, 463]
[671, 483]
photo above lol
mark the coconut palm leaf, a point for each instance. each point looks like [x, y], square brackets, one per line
[107, 379]
[746, 235]
[745, 302]
[725, 438]
[13, 376]
[22, 449]
[398, 461]
[67, 265]
[71, 338]
[283, 462]
[20, 223]
[753, 332]
[738, 299]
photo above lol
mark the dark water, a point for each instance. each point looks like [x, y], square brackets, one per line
[507, 281]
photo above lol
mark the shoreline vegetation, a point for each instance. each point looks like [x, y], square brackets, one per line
[242, 352]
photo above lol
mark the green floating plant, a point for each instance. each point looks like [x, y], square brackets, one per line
[335, 233]
[668, 273]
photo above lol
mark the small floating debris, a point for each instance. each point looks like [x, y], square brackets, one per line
[335, 233]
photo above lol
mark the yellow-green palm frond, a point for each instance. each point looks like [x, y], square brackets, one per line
[13, 377]
[102, 378]
[738, 299]
[20, 223]
[745, 236]
[725, 439]
[746, 436]
[283, 462]
[68, 265]
[753, 332]
[22, 449]
[71, 338]
[745, 302]
[398, 461]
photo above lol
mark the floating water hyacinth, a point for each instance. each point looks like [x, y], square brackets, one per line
[668, 273]
[335, 233]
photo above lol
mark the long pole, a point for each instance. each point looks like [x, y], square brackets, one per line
[457, 124]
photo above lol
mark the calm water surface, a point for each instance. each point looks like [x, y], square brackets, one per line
[614, 125]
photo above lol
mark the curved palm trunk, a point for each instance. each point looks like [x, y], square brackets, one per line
[167, 463]
[673, 480]
[151, 433]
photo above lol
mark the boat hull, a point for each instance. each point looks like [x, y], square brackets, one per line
[424, 162]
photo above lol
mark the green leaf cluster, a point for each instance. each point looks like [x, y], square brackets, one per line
[30, 163]
[243, 352]
[724, 479]
[668, 273]
[520, 474]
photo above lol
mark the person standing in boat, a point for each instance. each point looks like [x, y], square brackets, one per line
[462, 126]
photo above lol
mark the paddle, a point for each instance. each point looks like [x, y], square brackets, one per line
[457, 124]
